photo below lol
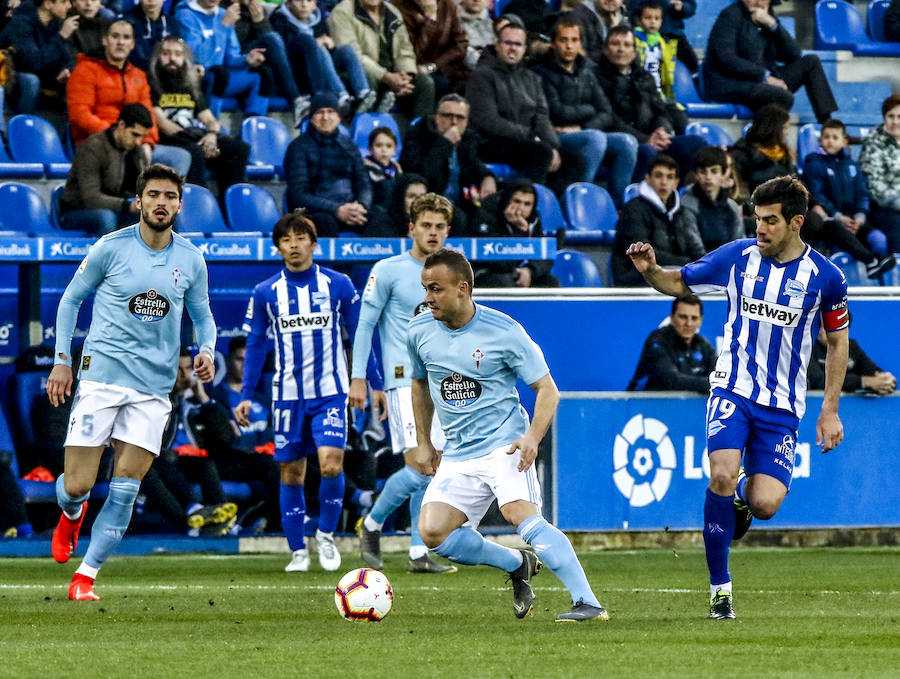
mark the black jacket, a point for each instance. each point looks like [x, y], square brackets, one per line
[858, 366]
[637, 106]
[427, 152]
[507, 102]
[39, 49]
[892, 22]
[668, 363]
[574, 98]
[754, 167]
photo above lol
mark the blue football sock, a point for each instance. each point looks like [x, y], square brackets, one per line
[718, 530]
[112, 521]
[467, 546]
[415, 507]
[293, 513]
[331, 502]
[742, 488]
[401, 485]
[555, 550]
[24, 530]
[70, 505]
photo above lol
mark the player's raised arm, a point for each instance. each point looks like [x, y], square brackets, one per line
[544, 409]
[829, 430]
[666, 281]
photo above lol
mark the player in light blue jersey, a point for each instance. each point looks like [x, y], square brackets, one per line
[780, 292]
[304, 305]
[466, 359]
[393, 295]
[142, 277]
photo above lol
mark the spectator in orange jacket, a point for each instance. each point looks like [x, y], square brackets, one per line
[99, 88]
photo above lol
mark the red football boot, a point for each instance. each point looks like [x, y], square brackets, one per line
[82, 588]
[65, 537]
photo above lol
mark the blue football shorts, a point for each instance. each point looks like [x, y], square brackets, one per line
[302, 427]
[767, 436]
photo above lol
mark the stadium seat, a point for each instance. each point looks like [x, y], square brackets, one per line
[807, 141]
[631, 191]
[548, 207]
[250, 208]
[875, 19]
[200, 207]
[591, 214]
[854, 271]
[10, 169]
[686, 95]
[499, 6]
[34, 140]
[364, 123]
[839, 27]
[712, 133]
[43, 491]
[55, 205]
[501, 171]
[576, 270]
[268, 139]
[23, 210]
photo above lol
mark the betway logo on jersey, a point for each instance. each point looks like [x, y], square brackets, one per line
[769, 312]
[517, 250]
[318, 320]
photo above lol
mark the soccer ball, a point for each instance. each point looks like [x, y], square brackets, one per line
[364, 595]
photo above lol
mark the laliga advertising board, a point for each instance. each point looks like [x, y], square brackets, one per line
[649, 468]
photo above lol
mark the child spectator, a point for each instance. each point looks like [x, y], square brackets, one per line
[476, 22]
[88, 37]
[707, 205]
[656, 54]
[380, 164]
[674, 14]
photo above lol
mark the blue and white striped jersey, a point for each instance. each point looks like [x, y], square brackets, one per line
[774, 314]
[305, 311]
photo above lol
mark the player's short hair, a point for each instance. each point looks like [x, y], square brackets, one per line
[564, 22]
[691, 300]
[709, 156]
[834, 124]
[455, 261]
[386, 131]
[297, 221]
[158, 171]
[662, 160]
[430, 202]
[787, 190]
[135, 114]
[891, 102]
[237, 342]
[617, 30]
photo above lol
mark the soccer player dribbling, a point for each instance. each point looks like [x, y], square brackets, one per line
[466, 359]
[780, 292]
[143, 276]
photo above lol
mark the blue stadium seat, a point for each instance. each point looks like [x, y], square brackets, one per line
[549, 209]
[631, 191]
[695, 107]
[875, 19]
[251, 208]
[712, 133]
[55, 208]
[576, 270]
[34, 140]
[10, 169]
[499, 6]
[501, 171]
[364, 123]
[26, 386]
[807, 141]
[854, 271]
[23, 210]
[268, 139]
[839, 27]
[200, 211]
[591, 214]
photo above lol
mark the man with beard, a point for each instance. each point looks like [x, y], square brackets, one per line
[185, 120]
[100, 189]
[142, 277]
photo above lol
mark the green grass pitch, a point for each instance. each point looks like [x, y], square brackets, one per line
[801, 613]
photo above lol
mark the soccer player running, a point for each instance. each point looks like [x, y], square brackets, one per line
[305, 306]
[465, 361]
[780, 291]
[391, 298]
[142, 276]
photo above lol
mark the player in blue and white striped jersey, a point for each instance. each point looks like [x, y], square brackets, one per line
[142, 276]
[304, 305]
[780, 292]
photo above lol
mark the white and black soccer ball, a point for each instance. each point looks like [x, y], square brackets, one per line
[364, 595]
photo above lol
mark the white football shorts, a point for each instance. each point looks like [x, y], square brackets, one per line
[403, 423]
[471, 485]
[101, 412]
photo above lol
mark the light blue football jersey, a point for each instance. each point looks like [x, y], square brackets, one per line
[472, 376]
[392, 296]
[135, 333]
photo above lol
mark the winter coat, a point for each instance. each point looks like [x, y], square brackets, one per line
[859, 365]
[644, 218]
[754, 167]
[96, 180]
[479, 30]
[288, 26]
[508, 102]
[349, 24]
[574, 97]
[147, 33]
[211, 42]
[892, 22]
[324, 172]
[39, 49]
[668, 363]
[718, 222]
[594, 28]
[836, 183]
[88, 39]
[880, 163]
[96, 93]
[441, 42]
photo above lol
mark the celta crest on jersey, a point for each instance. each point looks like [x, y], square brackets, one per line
[459, 390]
[149, 306]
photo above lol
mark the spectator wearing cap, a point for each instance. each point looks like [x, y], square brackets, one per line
[326, 176]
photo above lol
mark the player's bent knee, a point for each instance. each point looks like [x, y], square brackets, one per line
[432, 536]
[331, 470]
[722, 482]
[764, 508]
